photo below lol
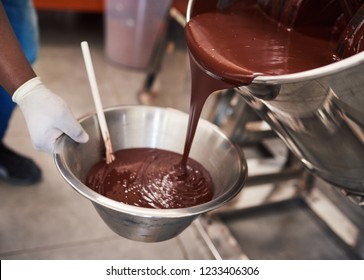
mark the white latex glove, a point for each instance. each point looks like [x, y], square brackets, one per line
[47, 115]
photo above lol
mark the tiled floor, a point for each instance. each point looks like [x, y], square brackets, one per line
[50, 220]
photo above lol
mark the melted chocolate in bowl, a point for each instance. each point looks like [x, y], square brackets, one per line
[138, 131]
[151, 178]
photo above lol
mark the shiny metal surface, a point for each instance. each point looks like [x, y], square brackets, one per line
[145, 126]
[319, 114]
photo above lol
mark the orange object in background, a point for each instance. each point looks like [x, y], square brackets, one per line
[96, 6]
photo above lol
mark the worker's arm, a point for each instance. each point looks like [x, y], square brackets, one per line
[46, 114]
[15, 69]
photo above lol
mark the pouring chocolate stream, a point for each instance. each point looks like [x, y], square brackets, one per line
[229, 48]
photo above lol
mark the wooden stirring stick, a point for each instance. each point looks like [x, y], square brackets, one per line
[110, 157]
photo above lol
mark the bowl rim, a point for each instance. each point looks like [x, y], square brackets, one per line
[316, 73]
[99, 199]
[311, 74]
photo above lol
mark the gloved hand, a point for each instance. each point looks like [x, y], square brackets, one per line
[47, 115]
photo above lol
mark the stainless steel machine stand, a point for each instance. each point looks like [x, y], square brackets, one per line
[283, 212]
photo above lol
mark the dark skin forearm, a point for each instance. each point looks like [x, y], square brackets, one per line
[15, 69]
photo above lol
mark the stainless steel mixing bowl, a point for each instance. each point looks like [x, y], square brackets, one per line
[145, 126]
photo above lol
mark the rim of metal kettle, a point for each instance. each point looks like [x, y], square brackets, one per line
[319, 72]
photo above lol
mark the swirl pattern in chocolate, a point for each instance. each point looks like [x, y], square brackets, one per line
[151, 178]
